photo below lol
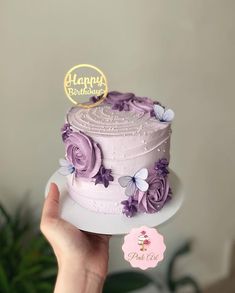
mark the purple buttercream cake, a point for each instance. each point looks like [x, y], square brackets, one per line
[117, 155]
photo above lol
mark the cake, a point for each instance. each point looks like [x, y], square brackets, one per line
[143, 240]
[117, 155]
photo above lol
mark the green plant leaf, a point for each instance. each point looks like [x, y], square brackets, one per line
[49, 272]
[45, 287]
[7, 235]
[4, 214]
[28, 287]
[28, 264]
[126, 281]
[4, 284]
[28, 273]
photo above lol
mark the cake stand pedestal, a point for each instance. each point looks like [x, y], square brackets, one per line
[91, 221]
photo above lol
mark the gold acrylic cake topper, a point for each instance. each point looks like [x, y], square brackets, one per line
[84, 81]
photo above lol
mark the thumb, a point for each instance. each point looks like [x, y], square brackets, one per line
[51, 204]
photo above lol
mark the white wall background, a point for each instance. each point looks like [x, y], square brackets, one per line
[181, 51]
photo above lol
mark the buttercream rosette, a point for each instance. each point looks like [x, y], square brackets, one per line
[153, 200]
[84, 154]
[130, 102]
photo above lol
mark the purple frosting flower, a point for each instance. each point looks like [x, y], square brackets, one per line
[84, 154]
[161, 167]
[119, 101]
[121, 106]
[156, 196]
[103, 176]
[144, 105]
[114, 97]
[66, 130]
[129, 206]
[129, 102]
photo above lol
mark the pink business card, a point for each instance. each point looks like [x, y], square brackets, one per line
[143, 247]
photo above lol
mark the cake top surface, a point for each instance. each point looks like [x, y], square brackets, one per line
[120, 115]
[103, 120]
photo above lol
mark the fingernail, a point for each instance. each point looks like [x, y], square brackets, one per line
[51, 184]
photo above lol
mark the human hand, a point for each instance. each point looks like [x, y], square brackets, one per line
[82, 256]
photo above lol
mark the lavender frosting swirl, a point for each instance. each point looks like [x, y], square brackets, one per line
[128, 102]
[116, 97]
[84, 154]
[156, 196]
[141, 104]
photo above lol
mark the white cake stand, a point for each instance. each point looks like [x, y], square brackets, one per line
[113, 224]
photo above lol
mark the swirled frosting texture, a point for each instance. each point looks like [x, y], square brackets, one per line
[102, 120]
[130, 140]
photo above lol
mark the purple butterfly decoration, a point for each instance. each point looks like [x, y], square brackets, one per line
[138, 181]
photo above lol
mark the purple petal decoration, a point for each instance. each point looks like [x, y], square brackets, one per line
[161, 167]
[129, 206]
[103, 176]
